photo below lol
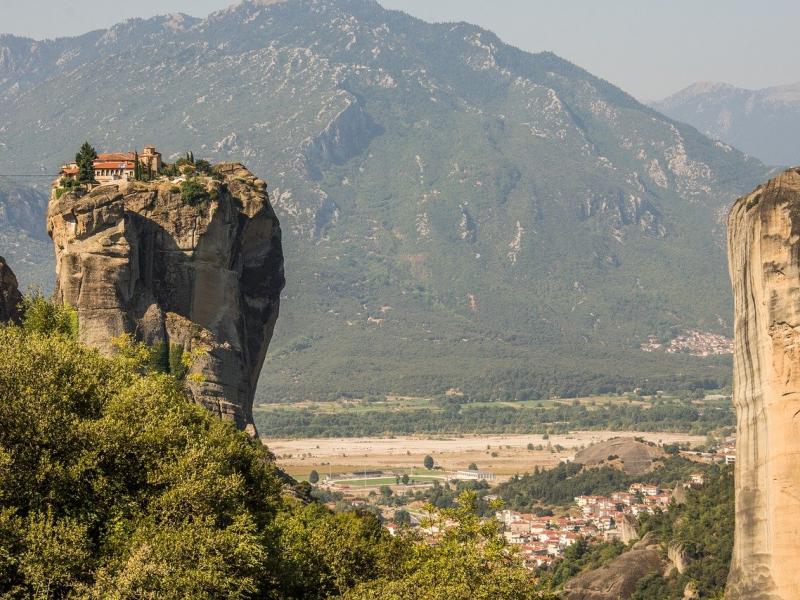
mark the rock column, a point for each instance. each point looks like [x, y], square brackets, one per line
[764, 262]
[200, 275]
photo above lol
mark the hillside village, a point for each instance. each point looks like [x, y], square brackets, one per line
[543, 539]
[693, 342]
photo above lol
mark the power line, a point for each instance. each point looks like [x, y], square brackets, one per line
[26, 175]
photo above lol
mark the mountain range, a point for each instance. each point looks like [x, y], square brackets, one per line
[764, 123]
[457, 213]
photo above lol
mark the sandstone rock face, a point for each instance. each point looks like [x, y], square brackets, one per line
[135, 258]
[628, 529]
[764, 261]
[676, 553]
[10, 296]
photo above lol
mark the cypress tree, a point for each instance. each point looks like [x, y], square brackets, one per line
[85, 160]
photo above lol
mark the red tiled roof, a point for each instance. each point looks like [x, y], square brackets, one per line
[69, 170]
[115, 156]
[125, 164]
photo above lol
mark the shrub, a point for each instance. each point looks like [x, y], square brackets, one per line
[193, 192]
[41, 316]
[177, 365]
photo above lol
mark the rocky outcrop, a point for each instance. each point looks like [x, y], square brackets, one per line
[764, 262]
[676, 553]
[628, 528]
[347, 135]
[10, 297]
[201, 276]
[625, 453]
[679, 494]
[618, 579]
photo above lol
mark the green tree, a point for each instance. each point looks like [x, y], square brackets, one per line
[324, 554]
[41, 316]
[404, 479]
[428, 462]
[472, 467]
[469, 561]
[313, 477]
[85, 160]
[115, 485]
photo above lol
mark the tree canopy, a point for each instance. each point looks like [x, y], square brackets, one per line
[114, 485]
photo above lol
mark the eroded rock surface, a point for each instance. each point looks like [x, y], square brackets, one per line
[10, 296]
[618, 579]
[764, 261]
[135, 258]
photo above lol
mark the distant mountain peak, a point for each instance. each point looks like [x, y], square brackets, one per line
[764, 123]
[701, 87]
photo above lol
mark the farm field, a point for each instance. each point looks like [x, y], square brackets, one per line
[453, 414]
[405, 403]
[503, 455]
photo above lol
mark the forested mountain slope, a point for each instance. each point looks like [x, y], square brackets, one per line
[23, 239]
[457, 212]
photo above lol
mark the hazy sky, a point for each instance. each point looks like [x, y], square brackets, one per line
[649, 48]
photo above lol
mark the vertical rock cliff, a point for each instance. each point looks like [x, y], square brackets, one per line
[10, 296]
[764, 260]
[180, 274]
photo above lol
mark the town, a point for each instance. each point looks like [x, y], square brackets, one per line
[543, 539]
[696, 343]
[541, 536]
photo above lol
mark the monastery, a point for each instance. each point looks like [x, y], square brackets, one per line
[117, 166]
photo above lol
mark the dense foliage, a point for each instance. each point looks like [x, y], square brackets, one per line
[562, 483]
[703, 527]
[114, 485]
[495, 418]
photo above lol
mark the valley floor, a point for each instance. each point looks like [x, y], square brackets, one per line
[502, 455]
